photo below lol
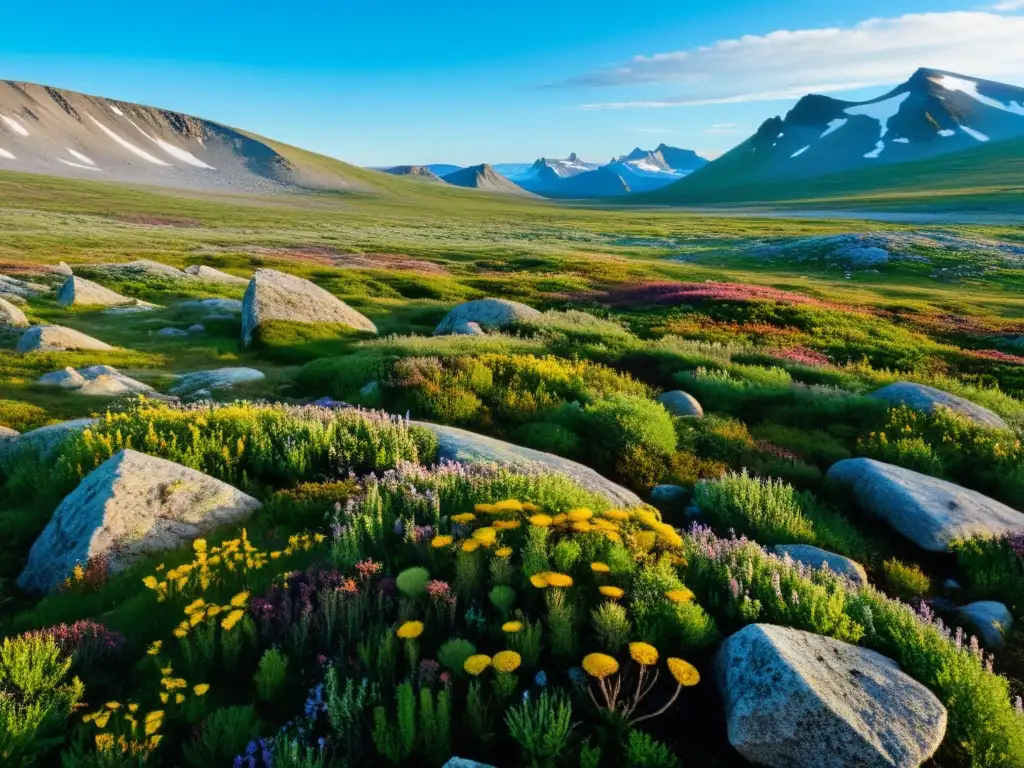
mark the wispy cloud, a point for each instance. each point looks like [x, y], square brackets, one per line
[789, 63]
[1009, 5]
[719, 128]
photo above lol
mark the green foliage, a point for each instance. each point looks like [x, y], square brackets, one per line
[643, 751]
[612, 625]
[561, 620]
[535, 552]
[567, 554]
[412, 582]
[396, 738]
[663, 622]
[222, 735]
[616, 424]
[906, 581]
[453, 654]
[541, 727]
[21, 416]
[993, 569]
[528, 642]
[270, 674]
[348, 711]
[503, 598]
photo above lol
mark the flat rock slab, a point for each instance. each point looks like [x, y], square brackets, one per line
[680, 403]
[130, 506]
[487, 314]
[219, 378]
[211, 275]
[926, 399]
[798, 700]
[57, 338]
[274, 295]
[141, 269]
[42, 442]
[815, 558]
[11, 316]
[930, 512]
[468, 447]
[990, 618]
[79, 292]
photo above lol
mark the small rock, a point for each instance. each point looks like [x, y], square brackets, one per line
[99, 380]
[42, 442]
[468, 329]
[12, 286]
[952, 585]
[79, 292]
[812, 557]
[991, 619]
[668, 495]
[461, 762]
[57, 338]
[222, 306]
[211, 275]
[141, 269]
[680, 403]
[68, 378]
[11, 316]
[487, 314]
[196, 328]
[219, 378]
[171, 332]
[926, 399]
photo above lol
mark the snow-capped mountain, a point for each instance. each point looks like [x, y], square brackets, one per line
[931, 114]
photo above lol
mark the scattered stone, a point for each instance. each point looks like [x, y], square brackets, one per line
[223, 306]
[68, 378]
[141, 269]
[799, 700]
[197, 328]
[42, 442]
[79, 292]
[211, 275]
[57, 338]
[815, 558]
[6, 433]
[930, 512]
[992, 619]
[171, 332]
[130, 506]
[680, 403]
[468, 329]
[131, 309]
[100, 380]
[926, 399]
[12, 286]
[668, 495]
[219, 378]
[487, 314]
[468, 447]
[11, 316]
[461, 762]
[952, 585]
[274, 295]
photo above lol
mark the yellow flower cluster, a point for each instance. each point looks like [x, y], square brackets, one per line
[600, 567]
[682, 595]
[477, 663]
[503, 552]
[506, 661]
[550, 579]
[410, 630]
[441, 541]
[198, 611]
[611, 592]
[683, 671]
[140, 739]
[465, 517]
[600, 665]
[643, 653]
[511, 627]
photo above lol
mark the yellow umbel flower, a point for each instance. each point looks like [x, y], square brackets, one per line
[113, 706]
[102, 720]
[155, 647]
[578, 515]
[149, 582]
[559, 520]
[238, 601]
[164, 697]
[465, 517]
[600, 567]
[506, 661]
[582, 526]
[559, 580]
[684, 672]
[410, 630]
[503, 552]
[509, 505]
[104, 742]
[540, 580]
[540, 520]
[506, 525]
[440, 541]
[604, 525]
[616, 514]
[644, 653]
[613, 536]
[133, 707]
[200, 689]
[611, 592]
[682, 595]
[512, 627]
[477, 663]
[229, 621]
[179, 698]
[470, 545]
[194, 606]
[600, 665]
[486, 536]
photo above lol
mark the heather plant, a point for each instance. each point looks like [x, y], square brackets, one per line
[453, 654]
[88, 643]
[412, 582]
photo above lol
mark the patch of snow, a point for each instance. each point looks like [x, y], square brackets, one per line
[973, 133]
[79, 156]
[946, 133]
[128, 145]
[833, 126]
[901, 141]
[7, 155]
[879, 146]
[115, 110]
[800, 151]
[882, 111]
[643, 165]
[970, 87]
[173, 151]
[780, 135]
[83, 166]
[14, 125]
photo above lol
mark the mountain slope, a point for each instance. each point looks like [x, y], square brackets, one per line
[934, 113]
[483, 177]
[413, 171]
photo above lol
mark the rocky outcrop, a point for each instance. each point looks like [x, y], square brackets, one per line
[43, 442]
[680, 403]
[274, 295]
[219, 378]
[99, 380]
[57, 338]
[460, 445]
[130, 506]
[211, 275]
[79, 292]
[141, 269]
[815, 558]
[926, 399]
[486, 314]
[930, 512]
[13, 287]
[990, 619]
[798, 700]
[11, 316]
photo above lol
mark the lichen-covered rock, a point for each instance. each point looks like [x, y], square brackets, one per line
[812, 557]
[220, 306]
[274, 295]
[11, 316]
[12, 286]
[680, 403]
[94, 380]
[487, 314]
[219, 378]
[211, 275]
[6, 433]
[463, 446]
[930, 512]
[798, 700]
[991, 619]
[79, 292]
[141, 269]
[42, 442]
[57, 338]
[926, 399]
[130, 506]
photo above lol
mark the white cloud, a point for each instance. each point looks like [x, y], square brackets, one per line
[1009, 5]
[789, 63]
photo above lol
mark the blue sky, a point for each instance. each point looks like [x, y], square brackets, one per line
[467, 82]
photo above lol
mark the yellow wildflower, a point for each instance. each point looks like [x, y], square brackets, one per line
[477, 663]
[503, 552]
[559, 580]
[470, 545]
[229, 621]
[179, 698]
[512, 627]
[539, 580]
[410, 630]
[644, 653]
[155, 647]
[485, 509]
[113, 706]
[529, 506]
[196, 617]
[558, 520]
[194, 606]
[616, 514]
[213, 610]
[582, 526]
[163, 697]
[506, 661]
[440, 541]
[133, 707]
[577, 515]
[604, 525]
[684, 672]
[199, 545]
[600, 665]
[612, 536]
[149, 582]
[509, 505]
[599, 567]
[104, 742]
[506, 525]
[465, 517]
[102, 720]
[238, 601]
[540, 520]
[165, 671]
[180, 633]
[486, 536]
[609, 591]
[681, 595]
[201, 689]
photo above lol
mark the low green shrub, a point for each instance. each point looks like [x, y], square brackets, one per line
[906, 581]
[992, 569]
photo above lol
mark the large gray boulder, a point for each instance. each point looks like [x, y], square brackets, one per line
[487, 314]
[798, 700]
[926, 399]
[274, 295]
[991, 619]
[42, 442]
[141, 269]
[57, 338]
[211, 275]
[930, 512]
[79, 292]
[815, 558]
[11, 316]
[680, 403]
[130, 506]
[100, 380]
[219, 378]
[468, 447]
[12, 286]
